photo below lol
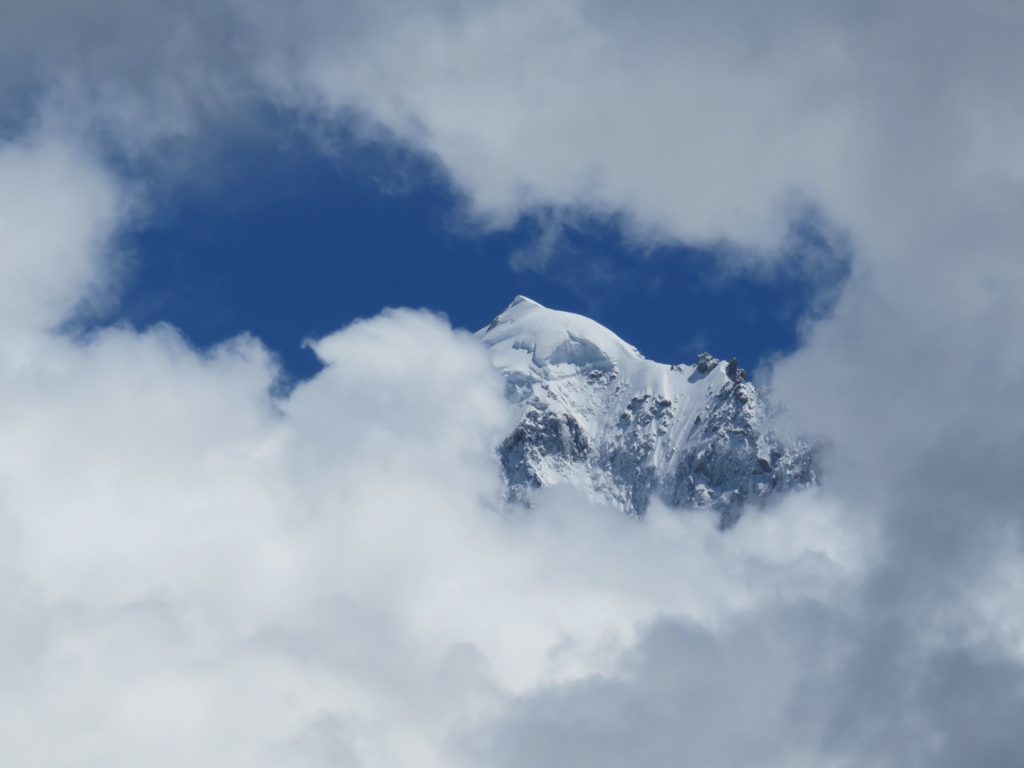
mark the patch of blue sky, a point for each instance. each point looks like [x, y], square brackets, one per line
[288, 240]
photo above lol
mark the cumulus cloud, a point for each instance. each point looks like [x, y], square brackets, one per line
[58, 211]
[198, 569]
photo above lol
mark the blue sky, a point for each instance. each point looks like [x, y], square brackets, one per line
[287, 242]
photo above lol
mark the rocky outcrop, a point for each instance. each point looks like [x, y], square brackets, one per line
[625, 430]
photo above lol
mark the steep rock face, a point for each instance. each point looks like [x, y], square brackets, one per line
[623, 429]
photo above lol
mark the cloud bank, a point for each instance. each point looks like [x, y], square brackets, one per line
[197, 569]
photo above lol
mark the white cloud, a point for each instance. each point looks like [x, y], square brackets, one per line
[199, 572]
[195, 570]
[58, 210]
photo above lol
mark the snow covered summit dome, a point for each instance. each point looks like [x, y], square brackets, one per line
[530, 338]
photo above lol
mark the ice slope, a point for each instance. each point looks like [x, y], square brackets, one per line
[623, 429]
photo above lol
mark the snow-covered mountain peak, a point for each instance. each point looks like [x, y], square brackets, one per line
[622, 429]
[530, 339]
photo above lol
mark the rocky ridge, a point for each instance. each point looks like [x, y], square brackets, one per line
[625, 430]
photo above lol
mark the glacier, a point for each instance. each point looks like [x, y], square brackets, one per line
[594, 413]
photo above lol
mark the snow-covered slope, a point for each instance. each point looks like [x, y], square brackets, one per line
[623, 429]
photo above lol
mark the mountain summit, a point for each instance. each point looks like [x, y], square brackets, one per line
[596, 414]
